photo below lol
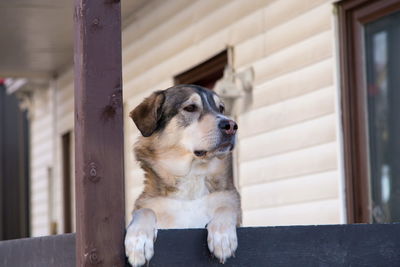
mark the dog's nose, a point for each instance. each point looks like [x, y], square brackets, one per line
[228, 126]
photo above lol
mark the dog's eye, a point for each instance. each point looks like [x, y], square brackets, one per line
[190, 108]
[221, 109]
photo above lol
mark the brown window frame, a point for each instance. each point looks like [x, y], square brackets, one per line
[353, 14]
[206, 72]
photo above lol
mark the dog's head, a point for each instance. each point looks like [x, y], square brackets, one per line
[189, 118]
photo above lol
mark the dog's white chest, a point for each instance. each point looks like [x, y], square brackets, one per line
[192, 188]
[179, 213]
[187, 208]
[176, 213]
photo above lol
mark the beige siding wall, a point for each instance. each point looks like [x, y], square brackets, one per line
[288, 149]
[64, 123]
[52, 116]
[41, 161]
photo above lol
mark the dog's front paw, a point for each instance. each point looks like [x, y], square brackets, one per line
[222, 239]
[139, 240]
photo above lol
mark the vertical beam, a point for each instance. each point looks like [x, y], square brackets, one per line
[98, 134]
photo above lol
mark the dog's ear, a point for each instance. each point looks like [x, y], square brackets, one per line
[148, 113]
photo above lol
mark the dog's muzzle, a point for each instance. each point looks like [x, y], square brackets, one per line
[226, 143]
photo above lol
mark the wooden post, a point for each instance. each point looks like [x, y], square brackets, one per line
[99, 134]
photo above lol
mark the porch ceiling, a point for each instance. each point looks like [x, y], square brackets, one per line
[36, 36]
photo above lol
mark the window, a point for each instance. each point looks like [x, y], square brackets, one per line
[205, 74]
[370, 60]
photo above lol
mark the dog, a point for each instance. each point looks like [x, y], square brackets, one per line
[185, 153]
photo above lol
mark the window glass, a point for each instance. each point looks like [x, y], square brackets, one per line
[382, 51]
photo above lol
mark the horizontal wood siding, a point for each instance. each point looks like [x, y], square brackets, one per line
[288, 149]
[41, 159]
[323, 211]
[64, 124]
[292, 190]
[53, 116]
[287, 139]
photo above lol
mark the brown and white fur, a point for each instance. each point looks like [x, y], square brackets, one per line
[185, 152]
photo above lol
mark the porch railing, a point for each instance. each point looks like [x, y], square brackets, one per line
[323, 245]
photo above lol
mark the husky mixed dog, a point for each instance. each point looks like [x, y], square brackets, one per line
[185, 152]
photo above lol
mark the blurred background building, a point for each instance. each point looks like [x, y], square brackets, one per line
[300, 143]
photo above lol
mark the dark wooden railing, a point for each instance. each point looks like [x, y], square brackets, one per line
[324, 245]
